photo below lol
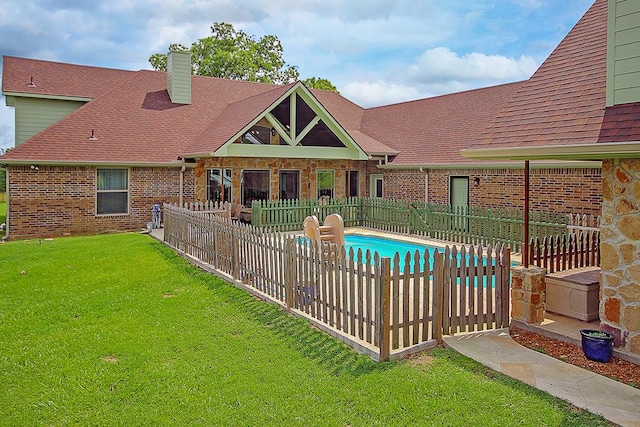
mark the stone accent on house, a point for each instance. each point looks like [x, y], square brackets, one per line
[54, 201]
[527, 294]
[620, 252]
[563, 190]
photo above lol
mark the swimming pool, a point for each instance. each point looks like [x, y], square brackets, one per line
[388, 248]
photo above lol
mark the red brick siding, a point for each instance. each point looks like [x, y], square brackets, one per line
[60, 201]
[576, 190]
[404, 185]
[56, 201]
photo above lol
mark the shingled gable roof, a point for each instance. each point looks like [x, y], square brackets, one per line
[350, 115]
[234, 117]
[241, 115]
[621, 123]
[563, 103]
[432, 131]
[58, 79]
[135, 122]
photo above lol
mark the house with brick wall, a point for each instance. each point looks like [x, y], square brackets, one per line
[96, 148]
[610, 133]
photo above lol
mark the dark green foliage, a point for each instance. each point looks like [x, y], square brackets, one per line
[233, 54]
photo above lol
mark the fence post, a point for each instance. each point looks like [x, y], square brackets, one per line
[289, 274]
[256, 213]
[234, 253]
[383, 329]
[438, 294]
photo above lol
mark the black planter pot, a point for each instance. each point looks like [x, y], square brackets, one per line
[597, 345]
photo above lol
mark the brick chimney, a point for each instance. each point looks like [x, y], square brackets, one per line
[179, 77]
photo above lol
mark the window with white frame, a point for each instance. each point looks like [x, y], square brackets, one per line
[289, 185]
[218, 189]
[112, 191]
[325, 183]
[351, 184]
[255, 186]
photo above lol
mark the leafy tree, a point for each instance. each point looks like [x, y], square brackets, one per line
[318, 83]
[232, 54]
[3, 173]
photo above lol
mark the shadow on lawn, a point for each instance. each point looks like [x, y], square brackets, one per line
[297, 333]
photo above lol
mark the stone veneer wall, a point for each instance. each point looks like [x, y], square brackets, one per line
[620, 252]
[307, 168]
[563, 190]
[61, 200]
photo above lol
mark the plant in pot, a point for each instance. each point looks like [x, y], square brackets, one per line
[597, 345]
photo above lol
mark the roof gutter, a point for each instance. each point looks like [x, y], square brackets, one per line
[496, 165]
[46, 96]
[6, 191]
[596, 151]
[9, 162]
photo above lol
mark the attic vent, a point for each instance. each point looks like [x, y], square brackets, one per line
[31, 83]
[93, 136]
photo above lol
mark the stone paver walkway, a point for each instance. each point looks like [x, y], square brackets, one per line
[615, 401]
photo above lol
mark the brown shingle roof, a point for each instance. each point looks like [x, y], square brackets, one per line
[564, 101]
[137, 122]
[232, 118]
[58, 79]
[432, 131]
[621, 123]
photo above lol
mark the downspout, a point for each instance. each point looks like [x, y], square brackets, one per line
[181, 195]
[348, 178]
[222, 195]
[6, 192]
[426, 184]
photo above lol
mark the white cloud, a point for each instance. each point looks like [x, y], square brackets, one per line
[6, 127]
[442, 65]
[374, 51]
[371, 94]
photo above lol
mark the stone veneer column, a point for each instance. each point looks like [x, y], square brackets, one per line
[620, 252]
[527, 294]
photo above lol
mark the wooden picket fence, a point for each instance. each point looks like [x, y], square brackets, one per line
[580, 248]
[471, 225]
[362, 299]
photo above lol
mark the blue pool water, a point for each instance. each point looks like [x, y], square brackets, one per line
[389, 247]
[386, 247]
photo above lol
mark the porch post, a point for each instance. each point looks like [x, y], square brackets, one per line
[528, 286]
[222, 199]
[525, 246]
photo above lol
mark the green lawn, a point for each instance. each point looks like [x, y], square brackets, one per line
[3, 212]
[118, 330]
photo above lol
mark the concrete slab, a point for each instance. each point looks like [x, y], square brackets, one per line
[615, 401]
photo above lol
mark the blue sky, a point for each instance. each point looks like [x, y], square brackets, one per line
[375, 52]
